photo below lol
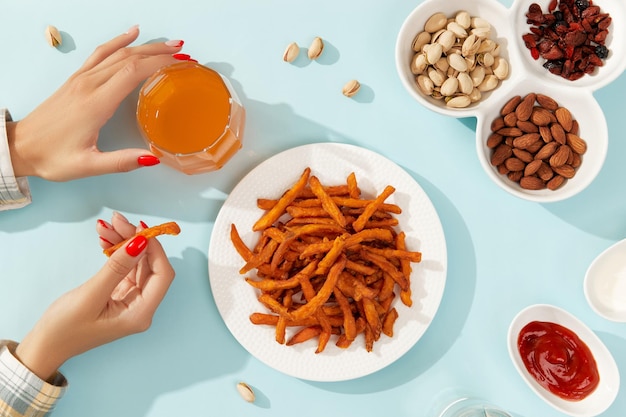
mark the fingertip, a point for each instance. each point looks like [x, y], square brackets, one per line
[136, 245]
[132, 30]
[148, 160]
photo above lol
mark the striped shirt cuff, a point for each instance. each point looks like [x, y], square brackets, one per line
[14, 192]
[23, 393]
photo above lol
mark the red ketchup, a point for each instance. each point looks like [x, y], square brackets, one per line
[558, 360]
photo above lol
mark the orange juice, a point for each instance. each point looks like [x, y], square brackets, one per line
[190, 117]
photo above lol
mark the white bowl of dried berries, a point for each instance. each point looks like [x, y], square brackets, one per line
[540, 133]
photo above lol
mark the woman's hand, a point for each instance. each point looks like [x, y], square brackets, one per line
[58, 140]
[119, 300]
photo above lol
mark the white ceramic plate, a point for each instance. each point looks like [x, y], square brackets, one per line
[603, 396]
[331, 163]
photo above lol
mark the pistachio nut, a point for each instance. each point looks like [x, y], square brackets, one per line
[482, 32]
[466, 85]
[442, 64]
[316, 48]
[446, 40]
[433, 53]
[449, 86]
[489, 83]
[486, 59]
[351, 88]
[458, 102]
[425, 84]
[420, 40]
[479, 22]
[464, 19]
[437, 76]
[457, 29]
[500, 68]
[53, 36]
[246, 392]
[470, 45]
[418, 63]
[291, 52]
[477, 75]
[457, 62]
[475, 95]
[487, 45]
[435, 22]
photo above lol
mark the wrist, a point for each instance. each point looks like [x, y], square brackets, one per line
[19, 160]
[37, 358]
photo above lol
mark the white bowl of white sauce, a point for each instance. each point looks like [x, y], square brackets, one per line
[605, 283]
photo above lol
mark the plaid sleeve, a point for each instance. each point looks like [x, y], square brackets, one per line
[14, 192]
[22, 393]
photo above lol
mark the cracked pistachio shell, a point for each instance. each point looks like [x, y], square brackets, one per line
[291, 52]
[479, 22]
[421, 39]
[435, 22]
[470, 45]
[425, 84]
[458, 101]
[477, 75]
[457, 62]
[446, 40]
[486, 45]
[466, 85]
[485, 59]
[316, 48]
[475, 95]
[53, 36]
[482, 32]
[351, 88]
[500, 68]
[419, 63]
[449, 86]
[489, 83]
[433, 53]
[457, 29]
[437, 76]
[442, 64]
[464, 19]
[246, 392]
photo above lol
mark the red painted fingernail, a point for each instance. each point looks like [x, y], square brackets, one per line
[182, 57]
[137, 245]
[103, 223]
[175, 43]
[106, 241]
[145, 226]
[148, 160]
[192, 60]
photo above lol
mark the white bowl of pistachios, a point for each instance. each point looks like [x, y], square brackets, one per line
[479, 59]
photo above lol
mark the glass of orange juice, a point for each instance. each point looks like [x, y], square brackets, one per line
[190, 117]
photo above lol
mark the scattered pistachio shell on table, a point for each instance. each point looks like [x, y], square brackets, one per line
[246, 392]
[291, 52]
[53, 36]
[316, 48]
[351, 88]
[456, 59]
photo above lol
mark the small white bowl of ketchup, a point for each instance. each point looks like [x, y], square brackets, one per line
[563, 361]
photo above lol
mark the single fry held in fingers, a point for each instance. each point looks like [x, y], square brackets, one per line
[328, 263]
[169, 228]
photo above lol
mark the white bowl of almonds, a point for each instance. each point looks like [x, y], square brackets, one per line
[540, 133]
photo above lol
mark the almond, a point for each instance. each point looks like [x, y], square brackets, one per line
[532, 183]
[546, 151]
[510, 105]
[558, 133]
[532, 167]
[510, 120]
[541, 116]
[494, 140]
[564, 118]
[525, 108]
[566, 171]
[501, 153]
[523, 155]
[545, 133]
[561, 156]
[525, 141]
[547, 102]
[514, 164]
[545, 172]
[555, 182]
[497, 124]
[515, 176]
[527, 127]
[510, 131]
[577, 144]
[576, 160]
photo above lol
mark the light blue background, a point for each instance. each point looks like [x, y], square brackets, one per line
[504, 253]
